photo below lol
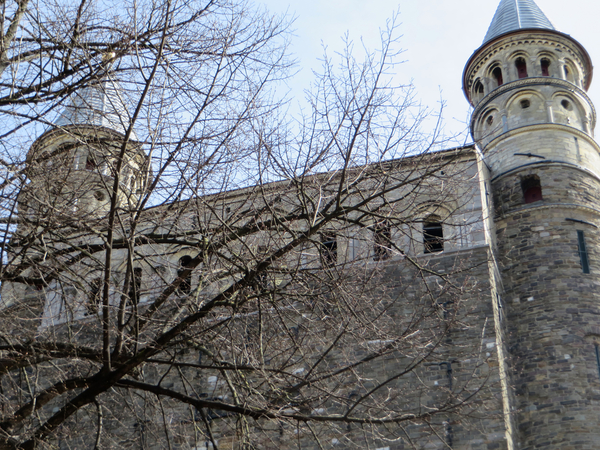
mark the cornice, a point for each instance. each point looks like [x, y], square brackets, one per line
[76, 133]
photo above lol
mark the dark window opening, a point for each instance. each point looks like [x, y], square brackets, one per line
[478, 91]
[497, 74]
[490, 120]
[328, 250]
[90, 164]
[261, 282]
[567, 105]
[525, 104]
[532, 189]
[433, 236]
[521, 66]
[382, 240]
[93, 305]
[583, 254]
[136, 285]
[185, 287]
[545, 67]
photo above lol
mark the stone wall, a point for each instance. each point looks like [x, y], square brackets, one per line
[554, 307]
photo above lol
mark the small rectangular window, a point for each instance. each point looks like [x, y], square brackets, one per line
[532, 189]
[328, 250]
[185, 263]
[90, 164]
[583, 255]
[136, 285]
[95, 300]
[433, 236]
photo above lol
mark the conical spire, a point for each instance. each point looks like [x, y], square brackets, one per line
[513, 15]
[100, 104]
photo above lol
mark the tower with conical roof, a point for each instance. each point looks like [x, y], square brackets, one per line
[534, 122]
[72, 166]
[72, 171]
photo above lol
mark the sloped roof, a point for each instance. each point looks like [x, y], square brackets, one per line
[513, 15]
[101, 104]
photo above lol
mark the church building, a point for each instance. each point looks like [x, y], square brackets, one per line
[442, 300]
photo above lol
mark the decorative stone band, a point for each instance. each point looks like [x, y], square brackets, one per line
[539, 127]
[547, 163]
[552, 206]
[529, 82]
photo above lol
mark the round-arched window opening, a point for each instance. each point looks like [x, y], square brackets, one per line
[497, 74]
[567, 105]
[478, 92]
[490, 120]
[569, 73]
[525, 103]
[521, 66]
[99, 195]
[545, 63]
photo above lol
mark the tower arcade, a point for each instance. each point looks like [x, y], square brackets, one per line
[534, 122]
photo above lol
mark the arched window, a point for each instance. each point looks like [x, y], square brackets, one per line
[185, 287]
[521, 66]
[570, 73]
[545, 63]
[478, 92]
[497, 74]
[532, 190]
[433, 235]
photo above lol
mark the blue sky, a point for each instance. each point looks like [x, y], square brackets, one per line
[438, 36]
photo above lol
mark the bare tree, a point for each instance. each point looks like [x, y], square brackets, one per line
[192, 273]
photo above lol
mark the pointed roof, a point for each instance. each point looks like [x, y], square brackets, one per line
[100, 104]
[513, 15]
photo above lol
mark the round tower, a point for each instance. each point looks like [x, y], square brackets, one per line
[534, 123]
[71, 167]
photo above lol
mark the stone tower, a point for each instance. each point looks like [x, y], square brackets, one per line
[71, 172]
[534, 122]
[72, 166]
